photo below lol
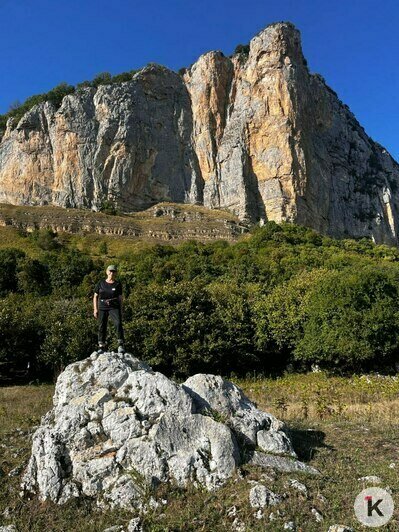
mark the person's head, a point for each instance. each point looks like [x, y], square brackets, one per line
[111, 271]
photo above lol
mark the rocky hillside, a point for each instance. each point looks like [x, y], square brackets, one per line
[255, 133]
[163, 222]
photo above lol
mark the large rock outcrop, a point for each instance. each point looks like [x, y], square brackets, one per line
[130, 141]
[255, 133]
[118, 429]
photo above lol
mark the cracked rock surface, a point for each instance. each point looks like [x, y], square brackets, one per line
[118, 429]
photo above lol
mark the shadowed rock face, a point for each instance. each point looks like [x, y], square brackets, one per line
[117, 429]
[256, 133]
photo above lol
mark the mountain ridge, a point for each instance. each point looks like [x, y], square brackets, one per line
[255, 133]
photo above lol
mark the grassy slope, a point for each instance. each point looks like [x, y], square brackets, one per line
[347, 428]
[189, 221]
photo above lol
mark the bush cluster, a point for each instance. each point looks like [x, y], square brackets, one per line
[284, 296]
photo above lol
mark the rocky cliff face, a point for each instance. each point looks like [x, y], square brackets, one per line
[256, 133]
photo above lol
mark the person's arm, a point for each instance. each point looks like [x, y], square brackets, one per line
[95, 304]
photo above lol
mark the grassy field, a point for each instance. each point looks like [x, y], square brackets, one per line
[345, 427]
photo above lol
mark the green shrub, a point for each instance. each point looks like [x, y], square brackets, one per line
[184, 328]
[33, 277]
[69, 333]
[21, 333]
[9, 258]
[46, 239]
[67, 270]
[341, 320]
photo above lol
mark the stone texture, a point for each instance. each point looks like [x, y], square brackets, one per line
[257, 134]
[251, 425]
[294, 483]
[117, 429]
[280, 463]
[290, 149]
[130, 142]
[260, 496]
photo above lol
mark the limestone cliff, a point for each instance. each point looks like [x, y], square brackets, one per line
[256, 133]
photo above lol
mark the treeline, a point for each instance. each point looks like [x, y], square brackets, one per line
[56, 95]
[284, 296]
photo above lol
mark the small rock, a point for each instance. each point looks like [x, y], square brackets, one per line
[152, 503]
[392, 465]
[371, 478]
[260, 496]
[116, 528]
[340, 528]
[238, 525]
[16, 471]
[321, 498]
[289, 526]
[134, 525]
[258, 514]
[8, 528]
[275, 515]
[294, 483]
[319, 518]
[240, 473]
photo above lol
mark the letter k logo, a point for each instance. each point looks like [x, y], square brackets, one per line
[373, 507]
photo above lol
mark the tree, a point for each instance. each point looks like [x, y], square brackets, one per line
[104, 78]
[33, 277]
[9, 258]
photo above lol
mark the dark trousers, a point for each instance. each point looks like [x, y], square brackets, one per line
[116, 318]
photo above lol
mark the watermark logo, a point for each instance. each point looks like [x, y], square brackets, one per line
[374, 507]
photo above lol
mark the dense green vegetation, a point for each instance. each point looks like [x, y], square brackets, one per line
[284, 296]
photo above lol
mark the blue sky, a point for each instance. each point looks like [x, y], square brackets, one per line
[352, 44]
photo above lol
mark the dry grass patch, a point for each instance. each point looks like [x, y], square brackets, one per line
[343, 448]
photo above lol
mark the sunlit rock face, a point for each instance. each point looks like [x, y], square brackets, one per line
[130, 142]
[255, 133]
[274, 141]
[118, 429]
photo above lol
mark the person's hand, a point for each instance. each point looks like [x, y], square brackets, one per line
[95, 313]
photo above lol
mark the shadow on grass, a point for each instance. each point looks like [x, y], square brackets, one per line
[307, 442]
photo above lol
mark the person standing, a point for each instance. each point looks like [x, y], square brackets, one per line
[107, 303]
